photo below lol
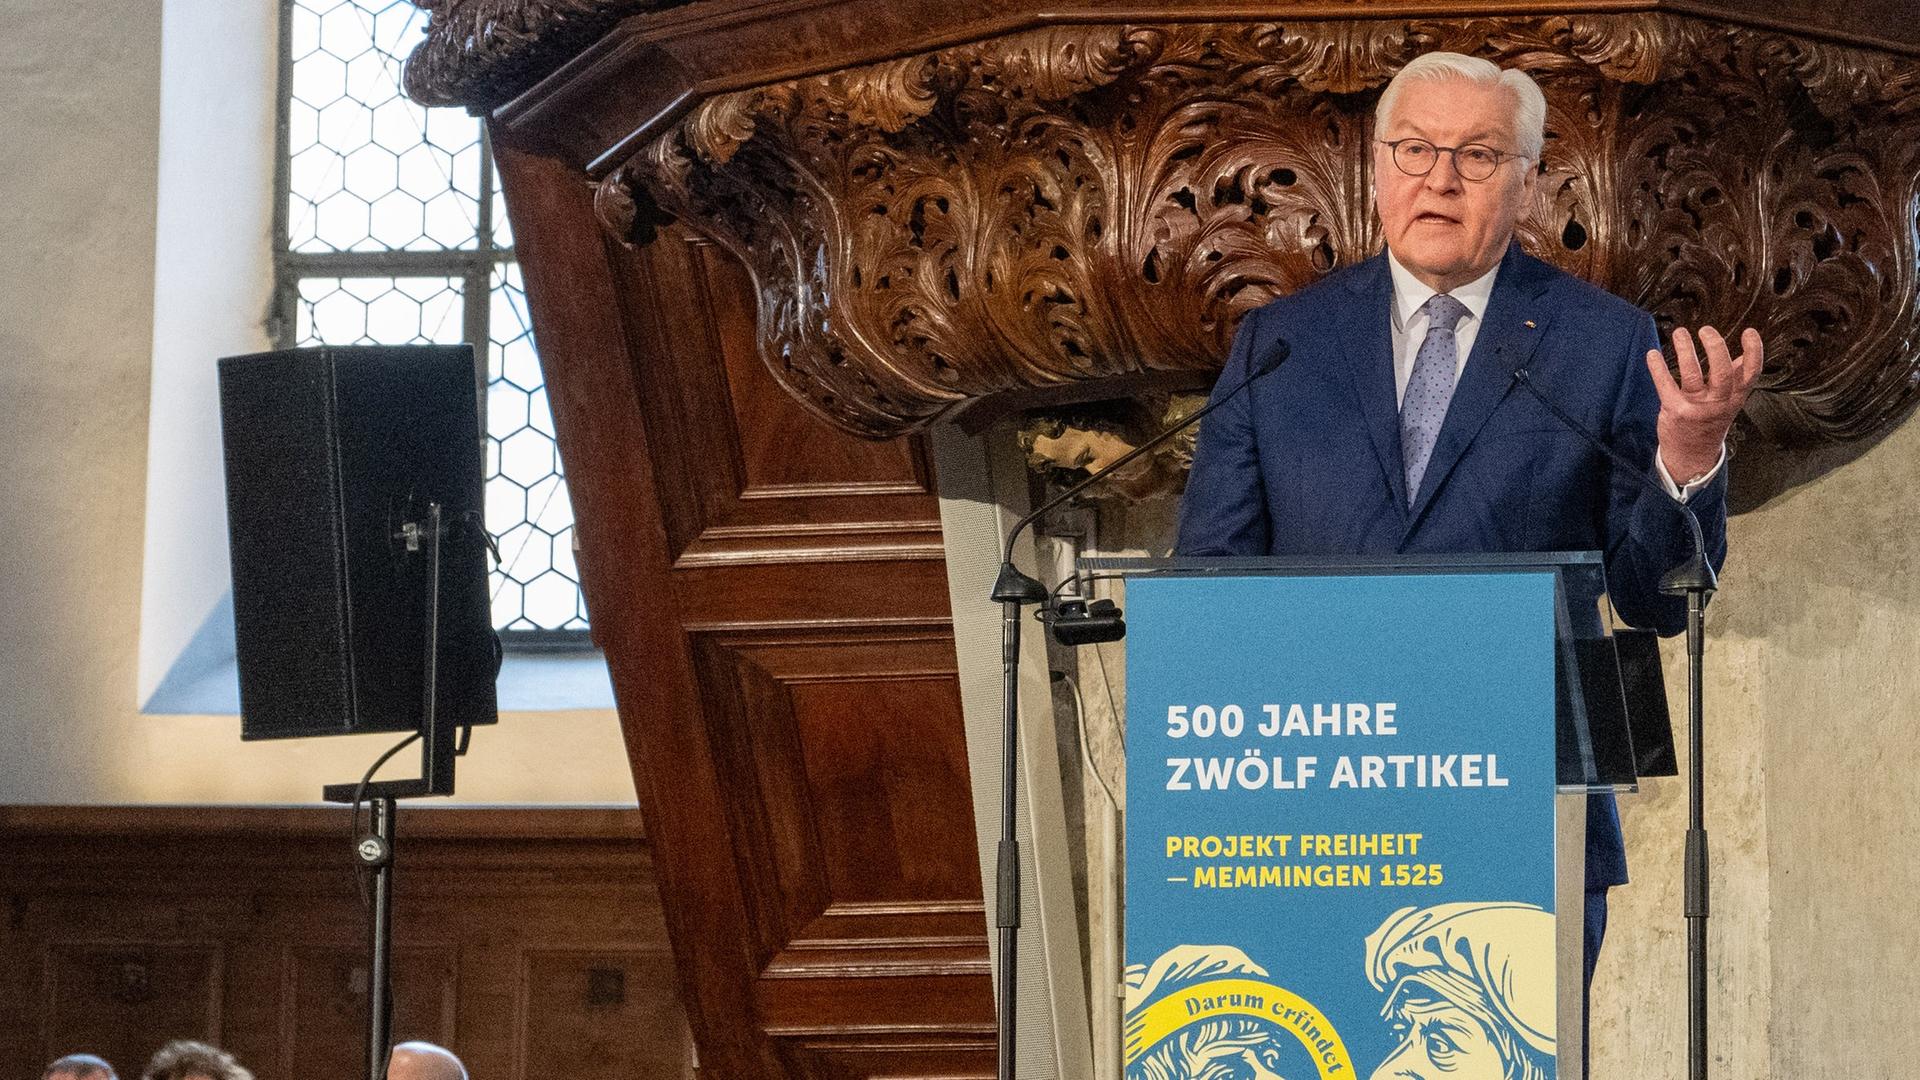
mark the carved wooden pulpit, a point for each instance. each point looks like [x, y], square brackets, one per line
[766, 244]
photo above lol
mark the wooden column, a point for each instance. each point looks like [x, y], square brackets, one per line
[772, 599]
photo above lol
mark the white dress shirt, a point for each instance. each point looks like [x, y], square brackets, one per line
[1409, 318]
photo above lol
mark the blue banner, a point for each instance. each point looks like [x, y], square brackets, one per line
[1340, 830]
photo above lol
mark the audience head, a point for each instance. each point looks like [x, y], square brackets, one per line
[184, 1059]
[424, 1061]
[79, 1067]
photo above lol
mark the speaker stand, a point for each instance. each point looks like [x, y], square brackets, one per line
[374, 851]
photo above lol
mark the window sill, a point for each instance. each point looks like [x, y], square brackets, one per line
[205, 679]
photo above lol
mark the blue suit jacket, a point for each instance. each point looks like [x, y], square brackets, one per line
[1306, 460]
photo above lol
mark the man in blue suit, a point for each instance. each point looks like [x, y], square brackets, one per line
[1395, 425]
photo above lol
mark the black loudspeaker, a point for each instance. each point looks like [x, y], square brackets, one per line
[330, 454]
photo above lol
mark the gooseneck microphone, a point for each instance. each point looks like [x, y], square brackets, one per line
[1012, 590]
[1695, 580]
[1696, 572]
[1275, 355]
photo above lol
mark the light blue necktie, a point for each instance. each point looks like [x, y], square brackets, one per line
[1429, 388]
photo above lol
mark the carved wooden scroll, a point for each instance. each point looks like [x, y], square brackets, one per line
[1066, 205]
[478, 53]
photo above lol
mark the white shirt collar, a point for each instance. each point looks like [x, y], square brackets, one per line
[1410, 293]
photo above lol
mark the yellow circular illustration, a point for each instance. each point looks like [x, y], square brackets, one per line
[1206, 1011]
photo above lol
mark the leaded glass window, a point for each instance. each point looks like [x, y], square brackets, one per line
[390, 230]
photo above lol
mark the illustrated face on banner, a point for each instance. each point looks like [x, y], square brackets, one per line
[1470, 991]
[1207, 1012]
[1440, 1039]
[1227, 1050]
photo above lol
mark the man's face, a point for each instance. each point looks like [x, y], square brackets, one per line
[1447, 230]
[1438, 1040]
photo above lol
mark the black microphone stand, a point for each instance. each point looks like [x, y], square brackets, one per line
[1695, 582]
[1013, 590]
[1693, 579]
[375, 850]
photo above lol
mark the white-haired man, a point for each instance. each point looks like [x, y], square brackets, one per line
[424, 1061]
[1395, 427]
[79, 1067]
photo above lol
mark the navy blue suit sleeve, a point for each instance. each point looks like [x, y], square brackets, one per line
[1224, 510]
[1646, 533]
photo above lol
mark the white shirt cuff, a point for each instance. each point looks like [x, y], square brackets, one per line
[1685, 493]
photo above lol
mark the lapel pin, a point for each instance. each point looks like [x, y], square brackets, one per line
[1529, 324]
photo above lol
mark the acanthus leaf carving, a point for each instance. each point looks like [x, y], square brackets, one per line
[1054, 63]
[1061, 206]
[1344, 57]
[885, 97]
[478, 53]
[720, 124]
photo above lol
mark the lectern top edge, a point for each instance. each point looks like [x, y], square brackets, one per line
[1320, 564]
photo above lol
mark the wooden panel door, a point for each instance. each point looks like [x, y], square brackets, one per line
[530, 942]
[772, 598]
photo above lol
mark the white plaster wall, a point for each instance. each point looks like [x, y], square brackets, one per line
[1639, 995]
[1813, 679]
[1835, 598]
[79, 188]
[213, 281]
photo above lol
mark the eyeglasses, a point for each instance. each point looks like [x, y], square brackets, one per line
[1417, 157]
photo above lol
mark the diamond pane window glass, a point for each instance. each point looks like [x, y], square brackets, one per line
[502, 228]
[369, 170]
[380, 311]
[538, 587]
[392, 231]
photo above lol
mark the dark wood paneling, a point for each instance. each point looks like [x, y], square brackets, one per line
[578, 1002]
[744, 473]
[109, 998]
[843, 475]
[925, 1004]
[123, 928]
[880, 1057]
[845, 753]
[772, 597]
[325, 1003]
[752, 595]
[624, 558]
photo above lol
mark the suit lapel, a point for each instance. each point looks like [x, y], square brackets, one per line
[1514, 324]
[1367, 338]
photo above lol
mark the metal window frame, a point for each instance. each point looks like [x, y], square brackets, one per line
[475, 266]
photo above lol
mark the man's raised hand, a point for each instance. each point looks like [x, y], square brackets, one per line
[1697, 411]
